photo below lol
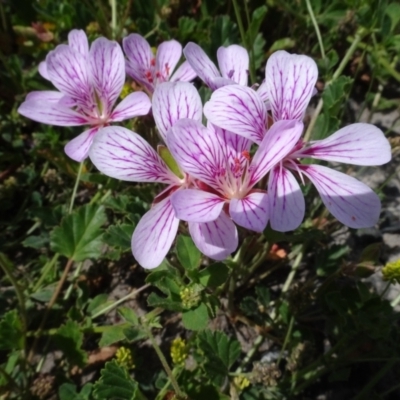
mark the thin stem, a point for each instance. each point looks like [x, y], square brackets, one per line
[250, 353]
[50, 305]
[78, 177]
[251, 47]
[121, 300]
[316, 27]
[71, 286]
[292, 273]
[167, 368]
[285, 342]
[46, 269]
[113, 4]
[336, 74]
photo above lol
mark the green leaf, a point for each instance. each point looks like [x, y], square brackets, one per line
[256, 20]
[79, 235]
[214, 275]
[67, 391]
[133, 334]
[196, 319]
[69, 339]
[220, 353]
[325, 125]
[112, 335]
[393, 12]
[154, 300]
[36, 242]
[97, 302]
[128, 315]
[11, 331]
[282, 44]
[119, 236]
[188, 254]
[335, 94]
[115, 383]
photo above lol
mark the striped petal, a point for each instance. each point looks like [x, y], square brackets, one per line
[238, 109]
[123, 154]
[286, 201]
[78, 148]
[167, 57]
[360, 144]
[251, 212]
[350, 201]
[154, 234]
[133, 105]
[196, 205]
[78, 41]
[290, 80]
[174, 101]
[184, 73]
[233, 62]
[216, 239]
[107, 66]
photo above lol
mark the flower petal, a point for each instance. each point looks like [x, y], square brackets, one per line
[286, 201]
[107, 66]
[277, 143]
[78, 41]
[139, 58]
[196, 205]
[360, 144]
[154, 234]
[184, 73]
[133, 105]
[262, 91]
[50, 96]
[290, 79]
[201, 63]
[51, 113]
[42, 68]
[78, 148]
[239, 110]
[251, 212]
[352, 202]
[68, 71]
[233, 63]
[174, 101]
[167, 57]
[123, 154]
[196, 150]
[216, 239]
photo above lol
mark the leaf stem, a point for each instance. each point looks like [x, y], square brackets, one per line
[50, 305]
[316, 27]
[78, 177]
[292, 273]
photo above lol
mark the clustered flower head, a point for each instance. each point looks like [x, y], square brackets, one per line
[214, 173]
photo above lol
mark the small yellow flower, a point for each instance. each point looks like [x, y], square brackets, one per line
[391, 271]
[190, 296]
[179, 351]
[241, 382]
[124, 358]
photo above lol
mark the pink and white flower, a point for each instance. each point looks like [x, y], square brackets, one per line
[233, 62]
[150, 71]
[123, 154]
[290, 80]
[225, 177]
[89, 81]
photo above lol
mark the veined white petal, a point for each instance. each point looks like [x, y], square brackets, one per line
[78, 41]
[78, 148]
[233, 63]
[184, 73]
[167, 57]
[133, 105]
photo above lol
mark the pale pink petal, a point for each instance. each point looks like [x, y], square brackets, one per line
[78, 148]
[262, 91]
[107, 66]
[233, 63]
[201, 63]
[173, 101]
[251, 212]
[196, 205]
[219, 82]
[290, 80]
[51, 113]
[138, 50]
[167, 57]
[78, 41]
[43, 70]
[196, 150]
[239, 110]
[184, 73]
[360, 144]
[350, 201]
[216, 239]
[277, 143]
[68, 71]
[49, 96]
[123, 154]
[154, 234]
[286, 201]
[133, 105]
